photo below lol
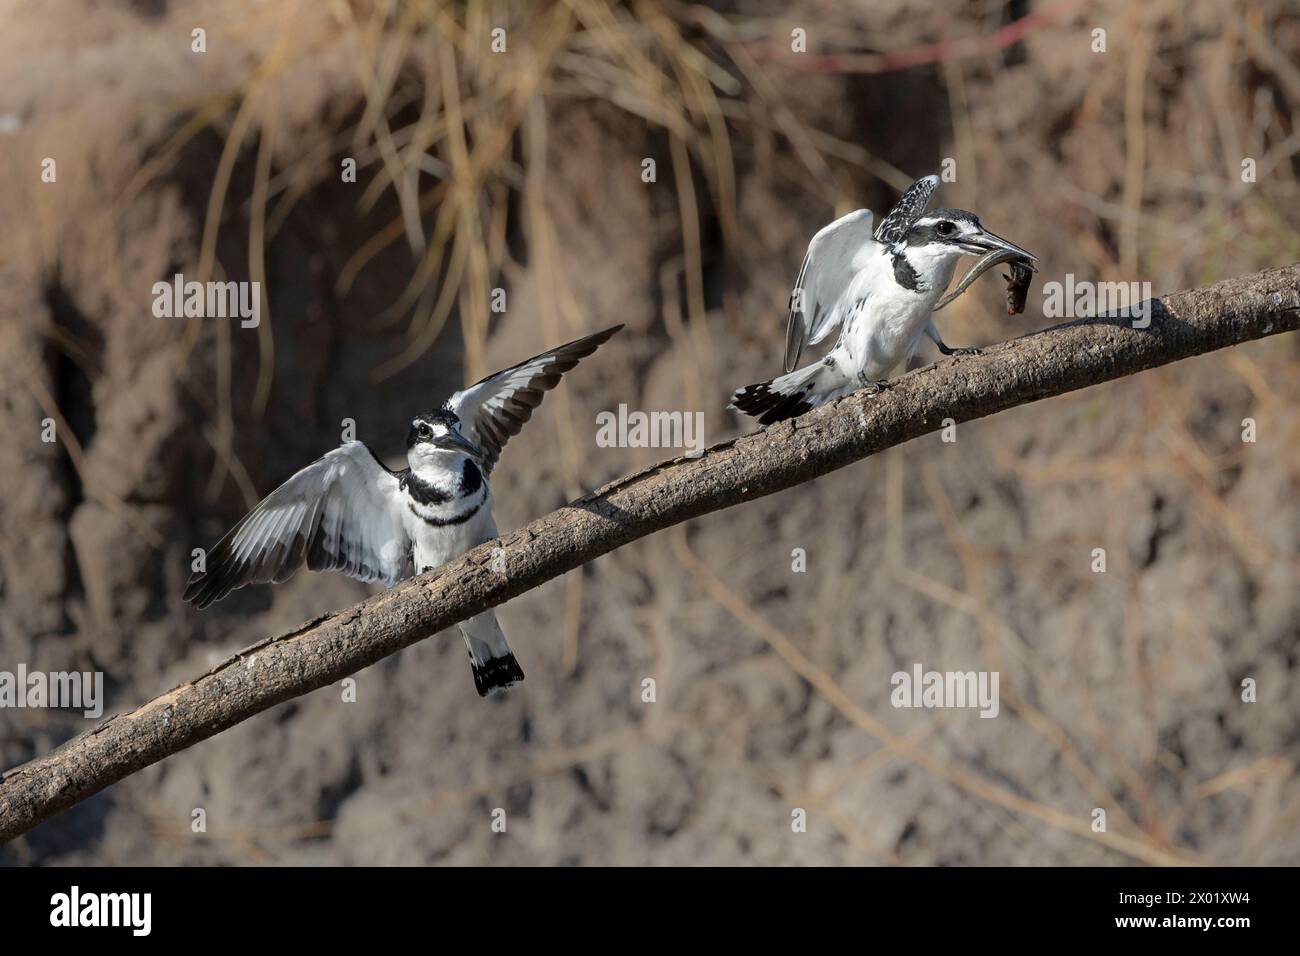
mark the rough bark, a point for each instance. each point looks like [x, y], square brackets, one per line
[1057, 360]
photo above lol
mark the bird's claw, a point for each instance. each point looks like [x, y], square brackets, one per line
[871, 387]
[946, 351]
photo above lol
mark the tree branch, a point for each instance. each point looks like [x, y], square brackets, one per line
[326, 650]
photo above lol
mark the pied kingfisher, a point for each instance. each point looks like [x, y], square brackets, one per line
[349, 512]
[882, 288]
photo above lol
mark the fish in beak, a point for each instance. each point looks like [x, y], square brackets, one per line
[996, 250]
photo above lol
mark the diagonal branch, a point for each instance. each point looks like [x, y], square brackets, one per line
[326, 650]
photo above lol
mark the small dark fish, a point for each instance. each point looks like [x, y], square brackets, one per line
[1021, 268]
[1018, 286]
[981, 266]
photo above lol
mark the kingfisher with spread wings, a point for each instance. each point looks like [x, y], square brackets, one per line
[349, 512]
[880, 288]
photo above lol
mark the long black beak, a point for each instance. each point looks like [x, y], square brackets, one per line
[987, 241]
[454, 442]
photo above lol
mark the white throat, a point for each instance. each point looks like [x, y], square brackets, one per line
[934, 265]
[437, 467]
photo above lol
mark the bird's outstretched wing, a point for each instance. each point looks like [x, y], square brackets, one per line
[343, 513]
[824, 276]
[909, 209]
[497, 408]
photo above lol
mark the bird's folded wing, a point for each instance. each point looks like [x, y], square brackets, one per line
[497, 408]
[343, 513]
[823, 278]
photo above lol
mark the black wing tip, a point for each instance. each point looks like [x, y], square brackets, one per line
[595, 340]
[221, 574]
[577, 349]
[564, 357]
[203, 590]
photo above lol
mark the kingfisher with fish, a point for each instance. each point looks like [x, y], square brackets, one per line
[881, 288]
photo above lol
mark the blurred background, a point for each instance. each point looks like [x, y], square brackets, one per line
[523, 170]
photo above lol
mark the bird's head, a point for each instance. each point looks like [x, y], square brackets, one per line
[435, 439]
[939, 238]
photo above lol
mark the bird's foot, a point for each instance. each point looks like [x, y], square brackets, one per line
[951, 351]
[871, 387]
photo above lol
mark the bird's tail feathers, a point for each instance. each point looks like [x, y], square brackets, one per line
[490, 657]
[496, 675]
[793, 393]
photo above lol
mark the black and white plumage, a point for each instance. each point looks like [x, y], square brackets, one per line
[879, 288]
[349, 512]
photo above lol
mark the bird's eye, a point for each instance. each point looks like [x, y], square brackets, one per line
[945, 228]
[425, 431]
